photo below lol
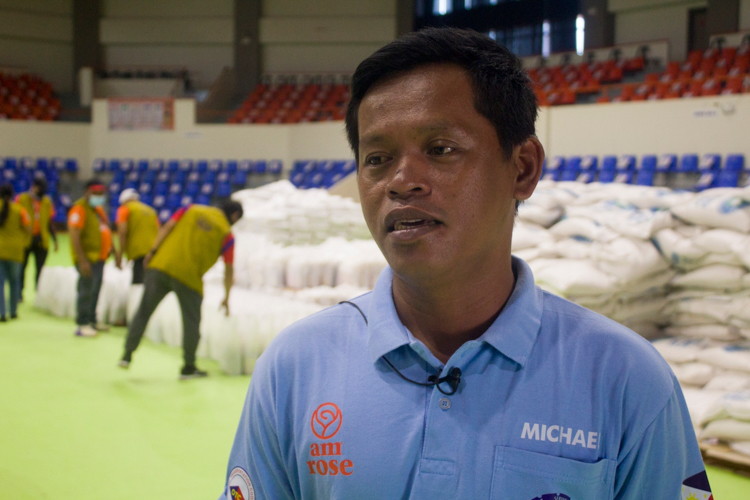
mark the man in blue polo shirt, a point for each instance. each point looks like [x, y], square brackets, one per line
[457, 377]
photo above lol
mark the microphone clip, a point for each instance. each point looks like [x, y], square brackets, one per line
[453, 379]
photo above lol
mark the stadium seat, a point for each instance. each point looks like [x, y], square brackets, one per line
[646, 171]
[28, 163]
[709, 169]
[175, 188]
[186, 165]
[11, 163]
[149, 176]
[159, 201]
[230, 166]
[571, 169]
[179, 177]
[239, 178]
[554, 168]
[113, 165]
[207, 189]
[99, 166]
[191, 188]
[224, 190]
[173, 201]
[173, 166]
[260, 167]
[223, 177]
[146, 198]
[608, 169]
[165, 214]
[215, 166]
[186, 200]
[729, 175]
[145, 188]
[625, 169]
[245, 166]
[126, 165]
[349, 166]
[200, 166]
[275, 167]
[203, 199]
[297, 178]
[142, 165]
[688, 164]
[156, 165]
[209, 177]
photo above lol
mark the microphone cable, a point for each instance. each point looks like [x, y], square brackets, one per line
[453, 379]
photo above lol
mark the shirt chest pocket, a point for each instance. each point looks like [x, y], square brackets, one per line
[525, 475]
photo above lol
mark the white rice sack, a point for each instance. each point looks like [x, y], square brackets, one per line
[731, 357]
[625, 219]
[713, 277]
[678, 248]
[629, 259]
[687, 310]
[742, 250]
[699, 401]
[648, 285]
[527, 235]
[135, 294]
[652, 197]
[539, 214]
[717, 208]
[693, 374]
[640, 310]
[688, 319]
[734, 405]
[727, 430]
[742, 447]
[528, 254]
[166, 322]
[582, 226]
[676, 350]
[720, 240]
[224, 341]
[726, 333]
[729, 381]
[568, 277]
[568, 248]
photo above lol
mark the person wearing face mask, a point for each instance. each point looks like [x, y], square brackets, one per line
[39, 206]
[15, 229]
[88, 242]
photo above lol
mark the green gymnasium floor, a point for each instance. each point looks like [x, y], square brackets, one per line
[73, 426]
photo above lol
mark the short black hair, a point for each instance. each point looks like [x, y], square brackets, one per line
[231, 207]
[503, 92]
[41, 183]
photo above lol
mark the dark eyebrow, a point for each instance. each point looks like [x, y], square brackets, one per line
[370, 139]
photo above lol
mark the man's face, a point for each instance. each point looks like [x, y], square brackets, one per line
[437, 191]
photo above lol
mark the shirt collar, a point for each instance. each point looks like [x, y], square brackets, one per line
[513, 333]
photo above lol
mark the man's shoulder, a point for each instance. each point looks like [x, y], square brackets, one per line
[624, 355]
[334, 329]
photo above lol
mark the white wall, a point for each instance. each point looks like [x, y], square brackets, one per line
[323, 35]
[680, 126]
[642, 20]
[744, 23]
[197, 34]
[38, 35]
[21, 138]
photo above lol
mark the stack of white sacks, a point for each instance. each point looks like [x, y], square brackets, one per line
[663, 263]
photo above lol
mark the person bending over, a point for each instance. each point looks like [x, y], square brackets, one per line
[185, 248]
[137, 226]
[39, 206]
[15, 230]
[457, 377]
[90, 244]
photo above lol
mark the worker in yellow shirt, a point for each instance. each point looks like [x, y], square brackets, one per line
[137, 226]
[15, 230]
[42, 212]
[90, 242]
[185, 248]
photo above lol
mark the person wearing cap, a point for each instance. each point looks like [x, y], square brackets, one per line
[186, 246]
[15, 229]
[137, 226]
[39, 206]
[90, 242]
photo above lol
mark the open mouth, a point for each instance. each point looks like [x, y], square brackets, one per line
[410, 224]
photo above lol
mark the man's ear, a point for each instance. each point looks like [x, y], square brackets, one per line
[528, 161]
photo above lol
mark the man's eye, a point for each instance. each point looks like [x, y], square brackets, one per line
[441, 150]
[375, 160]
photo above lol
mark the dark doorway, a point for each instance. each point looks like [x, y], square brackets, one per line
[697, 30]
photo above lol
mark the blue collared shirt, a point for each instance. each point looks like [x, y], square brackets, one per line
[554, 400]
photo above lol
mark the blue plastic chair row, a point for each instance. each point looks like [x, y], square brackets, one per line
[307, 174]
[625, 169]
[44, 164]
[128, 165]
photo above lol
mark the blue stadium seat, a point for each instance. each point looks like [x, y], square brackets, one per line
[162, 177]
[161, 188]
[186, 200]
[203, 199]
[186, 165]
[275, 167]
[239, 178]
[667, 163]
[194, 177]
[729, 176]
[646, 171]
[9, 175]
[159, 201]
[200, 166]
[21, 184]
[28, 163]
[207, 189]
[316, 180]
[173, 201]
[230, 166]
[132, 180]
[625, 169]
[127, 165]
[259, 167]
[608, 169]
[554, 168]
[245, 166]
[165, 214]
[146, 198]
[175, 188]
[297, 178]
[99, 165]
[42, 164]
[11, 163]
[688, 164]
[149, 176]
[215, 166]
[179, 177]
[588, 168]
[708, 166]
[113, 165]
[349, 167]
[173, 165]
[223, 177]
[571, 169]
[192, 188]
[209, 177]
[145, 188]
[119, 177]
[142, 165]
[156, 165]
[224, 190]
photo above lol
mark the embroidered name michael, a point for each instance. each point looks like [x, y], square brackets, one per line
[560, 434]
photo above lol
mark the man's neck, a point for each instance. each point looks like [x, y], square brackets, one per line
[444, 314]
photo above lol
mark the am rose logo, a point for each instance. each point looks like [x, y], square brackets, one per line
[326, 421]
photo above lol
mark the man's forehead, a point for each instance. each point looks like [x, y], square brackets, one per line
[376, 136]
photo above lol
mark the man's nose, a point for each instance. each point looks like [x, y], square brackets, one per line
[410, 177]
